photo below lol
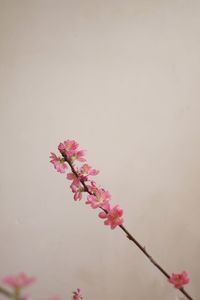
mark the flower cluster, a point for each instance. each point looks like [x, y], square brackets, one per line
[81, 182]
[70, 149]
[178, 280]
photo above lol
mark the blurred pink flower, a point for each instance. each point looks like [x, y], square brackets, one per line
[58, 162]
[18, 281]
[113, 216]
[74, 178]
[178, 280]
[86, 170]
[79, 155]
[77, 190]
[77, 295]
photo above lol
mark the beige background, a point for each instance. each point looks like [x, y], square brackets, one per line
[122, 78]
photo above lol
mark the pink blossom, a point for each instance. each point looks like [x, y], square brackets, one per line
[77, 190]
[113, 216]
[82, 174]
[100, 197]
[178, 280]
[58, 162]
[79, 155]
[93, 187]
[74, 178]
[77, 295]
[87, 170]
[18, 281]
[70, 149]
[76, 187]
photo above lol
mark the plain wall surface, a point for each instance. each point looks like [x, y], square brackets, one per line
[121, 78]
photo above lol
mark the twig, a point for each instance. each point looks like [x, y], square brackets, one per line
[128, 235]
[6, 293]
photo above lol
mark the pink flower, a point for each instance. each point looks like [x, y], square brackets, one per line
[58, 162]
[86, 170]
[77, 295]
[18, 281]
[74, 178]
[79, 155]
[178, 280]
[100, 197]
[82, 174]
[70, 149]
[77, 190]
[113, 216]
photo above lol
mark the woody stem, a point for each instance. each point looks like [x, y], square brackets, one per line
[128, 235]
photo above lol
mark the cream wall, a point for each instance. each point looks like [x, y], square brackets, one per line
[122, 78]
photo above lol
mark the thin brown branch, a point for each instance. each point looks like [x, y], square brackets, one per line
[6, 293]
[128, 235]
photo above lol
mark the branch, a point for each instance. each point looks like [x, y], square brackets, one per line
[6, 293]
[128, 235]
